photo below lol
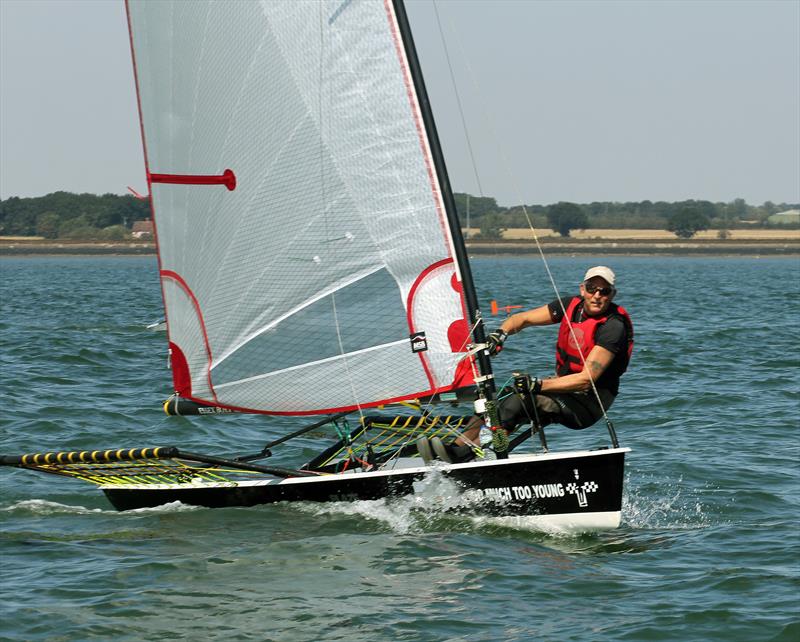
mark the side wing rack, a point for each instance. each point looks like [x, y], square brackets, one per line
[142, 466]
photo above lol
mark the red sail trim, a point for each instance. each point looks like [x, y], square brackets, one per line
[326, 411]
[146, 156]
[227, 178]
[181, 377]
[418, 122]
[151, 197]
[169, 274]
[459, 336]
[410, 307]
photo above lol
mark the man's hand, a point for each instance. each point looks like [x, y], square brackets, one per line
[526, 385]
[495, 341]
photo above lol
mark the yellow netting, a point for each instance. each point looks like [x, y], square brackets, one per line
[157, 471]
[394, 434]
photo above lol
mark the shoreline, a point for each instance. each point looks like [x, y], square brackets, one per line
[50, 248]
[638, 248]
[626, 247]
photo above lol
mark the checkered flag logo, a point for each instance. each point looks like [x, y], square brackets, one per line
[581, 490]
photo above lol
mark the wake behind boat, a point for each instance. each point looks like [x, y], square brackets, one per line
[312, 263]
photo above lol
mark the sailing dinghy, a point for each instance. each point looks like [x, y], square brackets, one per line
[311, 263]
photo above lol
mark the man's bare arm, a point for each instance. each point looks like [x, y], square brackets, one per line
[537, 316]
[596, 363]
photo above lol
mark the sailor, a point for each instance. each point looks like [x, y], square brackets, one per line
[594, 346]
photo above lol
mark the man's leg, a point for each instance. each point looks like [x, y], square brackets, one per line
[576, 410]
[573, 410]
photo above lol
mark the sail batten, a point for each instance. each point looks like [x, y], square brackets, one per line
[312, 364]
[326, 278]
[277, 320]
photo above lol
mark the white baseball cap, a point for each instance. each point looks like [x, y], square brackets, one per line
[602, 271]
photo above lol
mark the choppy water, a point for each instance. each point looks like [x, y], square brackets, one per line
[708, 549]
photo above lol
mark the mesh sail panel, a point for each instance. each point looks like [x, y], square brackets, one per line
[297, 291]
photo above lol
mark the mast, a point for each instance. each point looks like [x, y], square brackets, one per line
[486, 384]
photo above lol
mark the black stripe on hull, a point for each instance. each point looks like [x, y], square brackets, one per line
[527, 485]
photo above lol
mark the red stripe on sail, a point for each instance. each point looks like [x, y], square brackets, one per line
[181, 377]
[410, 313]
[146, 156]
[227, 178]
[458, 334]
[170, 274]
[325, 411]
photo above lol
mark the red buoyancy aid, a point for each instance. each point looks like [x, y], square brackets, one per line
[568, 356]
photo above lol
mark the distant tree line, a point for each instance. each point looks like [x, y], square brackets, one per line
[72, 216]
[682, 217]
[110, 216]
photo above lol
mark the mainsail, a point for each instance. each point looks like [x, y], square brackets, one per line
[306, 260]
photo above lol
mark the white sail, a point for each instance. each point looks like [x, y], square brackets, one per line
[296, 291]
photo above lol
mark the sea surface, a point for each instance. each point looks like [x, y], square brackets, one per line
[708, 548]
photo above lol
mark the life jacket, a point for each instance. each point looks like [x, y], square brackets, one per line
[568, 357]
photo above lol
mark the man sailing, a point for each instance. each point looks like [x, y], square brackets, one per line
[594, 346]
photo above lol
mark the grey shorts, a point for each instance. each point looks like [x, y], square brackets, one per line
[576, 410]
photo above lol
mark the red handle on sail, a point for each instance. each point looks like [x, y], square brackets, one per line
[227, 178]
[507, 308]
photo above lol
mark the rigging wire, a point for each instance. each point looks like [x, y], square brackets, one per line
[515, 184]
[330, 248]
[458, 101]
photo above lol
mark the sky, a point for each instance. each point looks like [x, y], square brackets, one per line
[563, 100]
